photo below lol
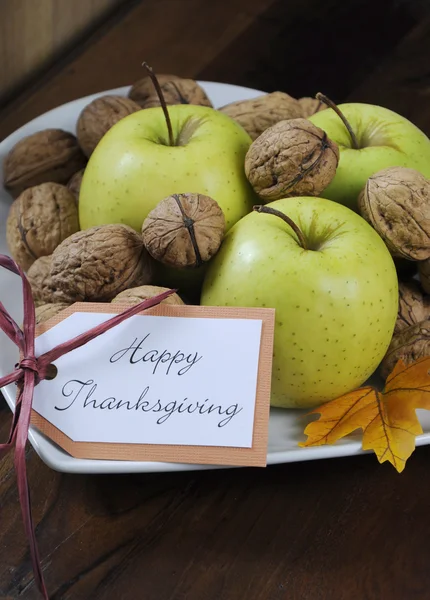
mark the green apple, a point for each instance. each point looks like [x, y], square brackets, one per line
[134, 166]
[385, 139]
[335, 301]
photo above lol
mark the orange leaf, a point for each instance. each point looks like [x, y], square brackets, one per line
[388, 419]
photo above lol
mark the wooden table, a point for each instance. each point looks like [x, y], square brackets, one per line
[344, 529]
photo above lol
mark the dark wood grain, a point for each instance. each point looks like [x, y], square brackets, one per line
[310, 46]
[183, 41]
[344, 529]
[402, 81]
[341, 529]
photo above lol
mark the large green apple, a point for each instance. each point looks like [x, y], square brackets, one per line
[385, 139]
[134, 167]
[336, 301]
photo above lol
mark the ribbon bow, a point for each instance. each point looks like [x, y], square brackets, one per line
[27, 374]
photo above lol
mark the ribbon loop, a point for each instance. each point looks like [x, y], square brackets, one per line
[28, 373]
[30, 363]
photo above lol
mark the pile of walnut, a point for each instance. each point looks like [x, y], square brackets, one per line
[110, 263]
[113, 263]
[396, 202]
[289, 156]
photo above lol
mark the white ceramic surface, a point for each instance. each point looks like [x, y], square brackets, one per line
[286, 426]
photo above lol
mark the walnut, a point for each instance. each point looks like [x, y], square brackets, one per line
[40, 219]
[413, 306]
[42, 286]
[424, 275]
[409, 345]
[99, 116]
[50, 155]
[176, 90]
[258, 114]
[74, 184]
[98, 263]
[38, 273]
[396, 202]
[310, 106]
[292, 158]
[184, 230]
[138, 294]
[46, 311]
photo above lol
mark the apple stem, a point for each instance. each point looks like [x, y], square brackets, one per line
[331, 104]
[261, 208]
[162, 101]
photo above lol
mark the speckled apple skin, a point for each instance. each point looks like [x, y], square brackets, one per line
[395, 142]
[336, 307]
[132, 168]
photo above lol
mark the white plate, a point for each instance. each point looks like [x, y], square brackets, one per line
[285, 427]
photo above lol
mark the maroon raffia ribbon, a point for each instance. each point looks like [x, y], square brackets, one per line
[27, 374]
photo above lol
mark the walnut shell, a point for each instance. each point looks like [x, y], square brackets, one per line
[176, 90]
[409, 345]
[184, 230]
[46, 311]
[143, 292]
[74, 184]
[396, 202]
[43, 289]
[424, 275]
[38, 273]
[413, 306]
[310, 106]
[99, 116]
[98, 263]
[51, 155]
[292, 158]
[39, 220]
[258, 114]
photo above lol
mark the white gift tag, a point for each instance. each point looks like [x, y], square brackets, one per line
[173, 376]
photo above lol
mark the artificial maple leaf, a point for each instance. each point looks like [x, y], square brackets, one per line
[388, 419]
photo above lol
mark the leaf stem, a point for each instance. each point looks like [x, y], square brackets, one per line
[261, 208]
[162, 101]
[331, 104]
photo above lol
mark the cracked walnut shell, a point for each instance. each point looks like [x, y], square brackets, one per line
[98, 263]
[408, 345]
[43, 289]
[143, 292]
[413, 306]
[176, 90]
[184, 230]
[99, 116]
[51, 155]
[396, 202]
[292, 158]
[258, 114]
[39, 220]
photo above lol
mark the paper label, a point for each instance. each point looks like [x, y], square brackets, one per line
[174, 383]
